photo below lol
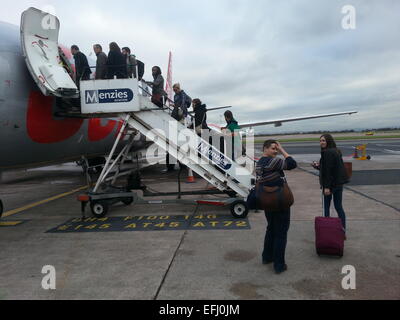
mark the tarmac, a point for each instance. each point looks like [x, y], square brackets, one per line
[195, 264]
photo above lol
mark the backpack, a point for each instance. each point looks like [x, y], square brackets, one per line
[188, 101]
[140, 67]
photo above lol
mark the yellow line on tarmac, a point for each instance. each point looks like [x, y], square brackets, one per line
[32, 205]
[10, 223]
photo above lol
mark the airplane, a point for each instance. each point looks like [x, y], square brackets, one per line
[32, 134]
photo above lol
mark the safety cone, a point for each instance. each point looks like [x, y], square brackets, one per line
[355, 154]
[190, 178]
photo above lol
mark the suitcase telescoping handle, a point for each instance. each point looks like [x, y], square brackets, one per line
[322, 201]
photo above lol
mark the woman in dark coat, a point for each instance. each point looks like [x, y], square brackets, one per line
[270, 173]
[332, 176]
[116, 63]
[200, 116]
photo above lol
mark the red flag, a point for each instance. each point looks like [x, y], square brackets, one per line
[168, 86]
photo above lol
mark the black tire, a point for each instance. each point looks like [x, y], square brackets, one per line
[1, 208]
[127, 201]
[368, 157]
[99, 208]
[239, 209]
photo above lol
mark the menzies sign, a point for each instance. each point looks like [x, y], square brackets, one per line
[214, 155]
[109, 96]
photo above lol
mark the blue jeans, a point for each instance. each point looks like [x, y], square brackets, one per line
[337, 194]
[276, 238]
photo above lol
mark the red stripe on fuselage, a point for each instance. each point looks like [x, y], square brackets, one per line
[97, 131]
[42, 127]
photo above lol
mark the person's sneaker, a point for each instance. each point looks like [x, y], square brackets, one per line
[280, 271]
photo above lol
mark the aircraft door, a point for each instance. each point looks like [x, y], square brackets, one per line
[4, 80]
[39, 39]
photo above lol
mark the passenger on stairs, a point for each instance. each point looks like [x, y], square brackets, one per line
[82, 70]
[157, 85]
[181, 104]
[130, 62]
[101, 63]
[200, 116]
[234, 145]
[116, 63]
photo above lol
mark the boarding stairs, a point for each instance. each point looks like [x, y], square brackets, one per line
[129, 100]
[156, 124]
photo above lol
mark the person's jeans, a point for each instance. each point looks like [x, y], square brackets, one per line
[276, 238]
[337, 194]
[157, 99]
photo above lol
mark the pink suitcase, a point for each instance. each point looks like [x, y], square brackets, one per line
[329, 236]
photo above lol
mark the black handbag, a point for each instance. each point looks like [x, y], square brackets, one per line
[252, 200]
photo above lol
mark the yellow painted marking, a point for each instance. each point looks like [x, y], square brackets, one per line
[214, 223]
[199, 224]
[133, 225]
[174, 224]
[9, 223]
[63, 228]
[32, 205]
[160, 225]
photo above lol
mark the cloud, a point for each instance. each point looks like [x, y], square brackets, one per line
[268, 59]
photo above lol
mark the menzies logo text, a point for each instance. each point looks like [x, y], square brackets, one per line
[215, 156]
[108, 96]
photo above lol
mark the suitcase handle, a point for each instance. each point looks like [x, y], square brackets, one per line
[323, 202]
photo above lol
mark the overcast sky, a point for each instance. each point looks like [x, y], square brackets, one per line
[268, 59]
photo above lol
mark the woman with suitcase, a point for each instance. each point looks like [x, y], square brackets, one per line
[332, 176]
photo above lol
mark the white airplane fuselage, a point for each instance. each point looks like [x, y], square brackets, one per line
[30, 134]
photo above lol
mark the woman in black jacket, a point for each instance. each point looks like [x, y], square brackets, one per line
[332, 176]
[200, 116]
[116, 63]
